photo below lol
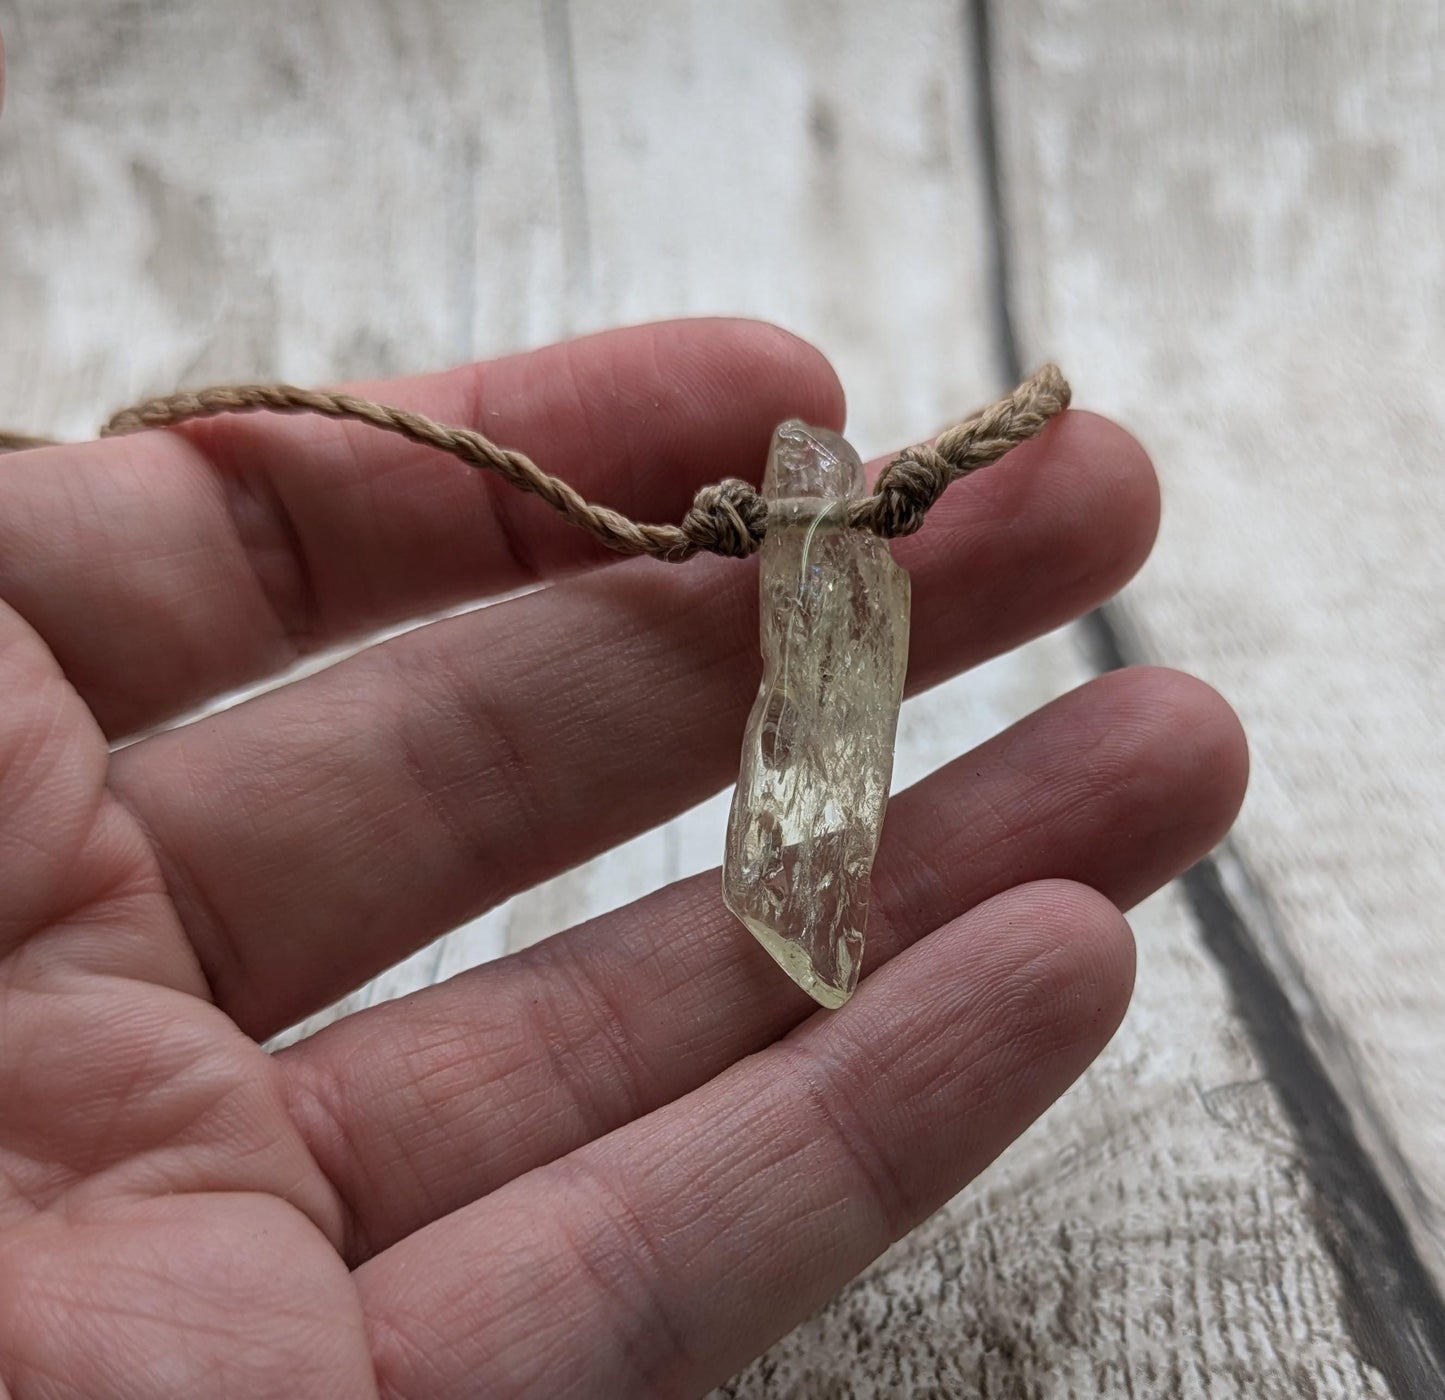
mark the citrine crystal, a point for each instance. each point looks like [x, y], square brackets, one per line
[818, 752]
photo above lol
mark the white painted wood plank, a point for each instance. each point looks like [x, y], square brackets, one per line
[738, 158]
[192, 195]
[350, 192]
[1227, 223]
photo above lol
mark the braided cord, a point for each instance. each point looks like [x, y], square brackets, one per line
[727, 517]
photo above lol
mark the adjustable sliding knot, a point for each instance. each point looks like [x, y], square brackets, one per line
[906, 491]
[727, 517]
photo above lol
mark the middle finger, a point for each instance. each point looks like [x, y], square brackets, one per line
[315, 835]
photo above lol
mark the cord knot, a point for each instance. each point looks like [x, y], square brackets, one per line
[907, 489]
[726, 517]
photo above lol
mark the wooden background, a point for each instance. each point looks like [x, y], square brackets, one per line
[1223, 219]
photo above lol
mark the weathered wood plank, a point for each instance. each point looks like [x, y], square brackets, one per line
[347, 192]
[191, 196]
[1229, 224]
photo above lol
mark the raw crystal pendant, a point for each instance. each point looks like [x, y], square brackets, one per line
[818, 752]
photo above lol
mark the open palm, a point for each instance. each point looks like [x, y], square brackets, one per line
[621, 1162]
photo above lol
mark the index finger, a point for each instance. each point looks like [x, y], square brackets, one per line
[165, 568]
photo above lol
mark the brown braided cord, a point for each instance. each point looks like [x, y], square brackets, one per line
[909, 485]
[614, 529]
[728, 517]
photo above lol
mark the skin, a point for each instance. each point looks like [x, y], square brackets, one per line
[624, 1161]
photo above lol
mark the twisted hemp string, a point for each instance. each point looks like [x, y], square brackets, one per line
[727, 517]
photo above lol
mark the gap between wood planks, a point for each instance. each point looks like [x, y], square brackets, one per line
[1395, 1313]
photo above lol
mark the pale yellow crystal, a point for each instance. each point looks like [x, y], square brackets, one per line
[818, 752]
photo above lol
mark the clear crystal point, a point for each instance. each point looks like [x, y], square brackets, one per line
[818, 751]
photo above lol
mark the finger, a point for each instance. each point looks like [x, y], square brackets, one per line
[660, 1258]
[454, 1091]
[52, 785]
[320, 833]
[165, 568]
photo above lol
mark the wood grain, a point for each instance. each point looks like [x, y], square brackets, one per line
[193, 197]
[1232, 230]
[354, 189]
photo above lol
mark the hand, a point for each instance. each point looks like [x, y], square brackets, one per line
[623, 1161]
